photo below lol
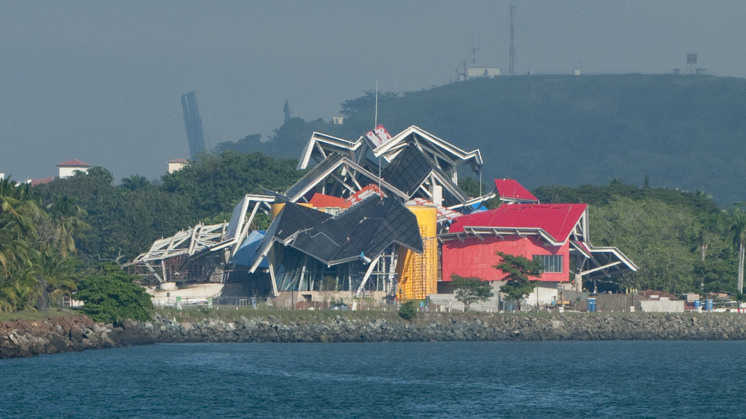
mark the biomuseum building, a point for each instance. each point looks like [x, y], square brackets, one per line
[379, 219]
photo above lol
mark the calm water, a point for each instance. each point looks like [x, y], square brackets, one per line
[465, 379]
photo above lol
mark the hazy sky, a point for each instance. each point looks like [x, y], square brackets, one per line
[101, 81]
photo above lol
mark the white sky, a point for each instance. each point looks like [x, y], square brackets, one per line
[101, 81]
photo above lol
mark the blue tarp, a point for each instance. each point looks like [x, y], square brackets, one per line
[478, 207]
[246, 254]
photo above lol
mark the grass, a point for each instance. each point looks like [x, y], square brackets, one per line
[230, 314]
[38, 315]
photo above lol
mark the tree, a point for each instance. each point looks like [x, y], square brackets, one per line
[470, 289]
[20, 291]
[66, 221]
[519, 270]
[19, 217]
[111, 296]
[55, 276]
[367, 101]
[135, 182]
[738, 238]
[656, 235]
[408, 311]
[716, 274]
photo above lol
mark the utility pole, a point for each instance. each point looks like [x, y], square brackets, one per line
[512, 41]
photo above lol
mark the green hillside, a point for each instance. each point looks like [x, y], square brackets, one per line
[681, 131]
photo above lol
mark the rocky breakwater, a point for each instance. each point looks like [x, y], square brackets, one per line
[22, 338]
[452, 327]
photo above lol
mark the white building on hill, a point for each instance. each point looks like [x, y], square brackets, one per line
[69, 167]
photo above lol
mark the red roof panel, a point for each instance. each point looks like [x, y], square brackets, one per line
[365, 192]
[558, 220]
[327, 201]
[511, 189]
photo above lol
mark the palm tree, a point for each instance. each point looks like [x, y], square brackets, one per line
[19, 292]
[18, 213]
[708, 224]
[55, 276]
[19, 216]
[67, 220]
[738, 238]
[136, 182]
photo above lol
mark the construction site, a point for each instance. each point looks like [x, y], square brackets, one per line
[373, 222]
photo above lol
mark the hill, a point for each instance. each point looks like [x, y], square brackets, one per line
[679, 131]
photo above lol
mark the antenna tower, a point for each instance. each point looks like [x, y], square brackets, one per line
[375, 118]
[512, 41]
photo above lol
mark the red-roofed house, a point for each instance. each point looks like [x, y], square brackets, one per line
[35, 182]
[553, 233]
[69, 167]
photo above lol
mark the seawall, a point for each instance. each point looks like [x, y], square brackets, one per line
[21, 338]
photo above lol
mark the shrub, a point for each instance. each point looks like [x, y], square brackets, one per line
[111, 296]
[408, 311]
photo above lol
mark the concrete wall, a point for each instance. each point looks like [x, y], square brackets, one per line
[322, 299]
[662, 306]
[169, 294]
[483, 72]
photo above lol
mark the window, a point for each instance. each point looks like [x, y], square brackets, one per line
[552, 263]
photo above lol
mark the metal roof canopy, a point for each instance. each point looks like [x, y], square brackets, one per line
[443, 157]
[360, 233]
[350, 179]
[197, 240]
[320, 146]
[411, 174]
[446, 155]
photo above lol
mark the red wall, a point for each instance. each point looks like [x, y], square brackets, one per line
[475, 257]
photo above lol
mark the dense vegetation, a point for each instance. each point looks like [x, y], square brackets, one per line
[682, 131]
[36, 247]
[126, 219]
[681, 241]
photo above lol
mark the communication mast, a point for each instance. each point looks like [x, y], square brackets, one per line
[512, 41]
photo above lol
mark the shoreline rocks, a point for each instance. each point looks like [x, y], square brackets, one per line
[21, 338]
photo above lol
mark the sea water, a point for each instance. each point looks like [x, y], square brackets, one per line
[436, 379]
